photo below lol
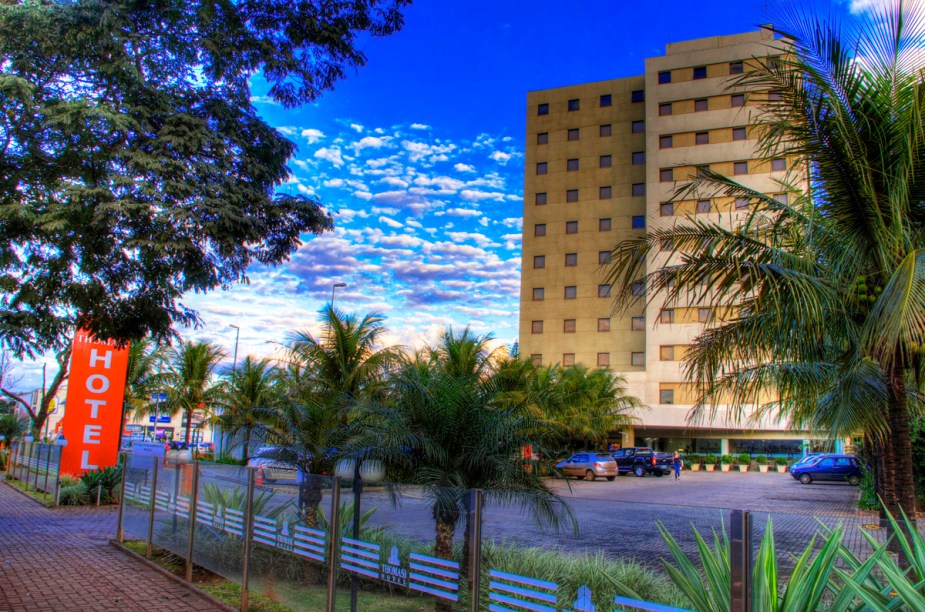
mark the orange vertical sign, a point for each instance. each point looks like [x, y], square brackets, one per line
[95, 390]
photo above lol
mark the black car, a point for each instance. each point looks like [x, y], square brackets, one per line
[829, 467]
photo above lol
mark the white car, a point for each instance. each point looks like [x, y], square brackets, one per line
[275, 464]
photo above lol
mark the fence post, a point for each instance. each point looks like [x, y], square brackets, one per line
[740, 560]
[47, 469]
[149, 552]
[38, 463]
[193, 509]
[120, 530]
[475, 549]
[29, 465]
[333, 537]
[58, 477]
[11, 460]
[248, 536]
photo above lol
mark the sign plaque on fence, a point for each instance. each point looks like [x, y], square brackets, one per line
[92, 423]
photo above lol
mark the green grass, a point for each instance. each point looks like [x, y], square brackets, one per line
[45, 498]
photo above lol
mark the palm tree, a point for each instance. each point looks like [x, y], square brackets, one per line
[190, 379]
[445, 425]
[250, 399]
[829, 286]
[143, 377]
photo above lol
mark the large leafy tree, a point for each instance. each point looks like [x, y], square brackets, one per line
[822, 295]
[133, 164]
[250, 399]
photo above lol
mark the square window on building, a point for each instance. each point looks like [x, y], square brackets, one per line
[539, 229]
[542, 138]
[605, 130]
[572, 165]
[740, 168]
[573, 104]
[571, 292]
[542, 109]
[568, 326]
[703, 315]
[703, 206]
[737, 100]
[666, 209]
[539, 262]
[741, 203]
[568, 359]
[639, 221]
[666, 175]
[701, 104]
[637, 359]
[542, 167]
[775, 95]
[666, 315]
[539, 294]
[536, 359]
[639, 127]
[664, 109]
[603, 290]
[606, 100]
[571, 260]
[571, 227]
[603, 324]
[638, 189]
[638, 157]
[778, 165]
[665, 142]
[736, 67]
[573, 134]
[603, 257]
[638, 324]
[536, 327]
[700, 72]
[638, 289]
[666, 396]
[605, 193]
[539, 199]
[638, 95]
[604, 224]
[666, 244]
[702, 138]
[603, 360]
[739, 133]
[606, 161]
[571, 195]
[666, 353]
[664, 77]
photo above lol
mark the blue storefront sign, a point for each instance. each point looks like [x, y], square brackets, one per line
[163, 418]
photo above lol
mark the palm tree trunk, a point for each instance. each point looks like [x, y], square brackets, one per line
[309, 500]
[904, 481]
[247, 444]
[445, 525]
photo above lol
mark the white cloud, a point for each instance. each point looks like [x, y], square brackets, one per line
[473, 195]
[312, 135]
[460, 167]
[390, 222]
[371, 142]
[356, 127]
[480, 239]
[463, 212]
[264, 100]
[331, 154]
[419, 126]
[501, 157]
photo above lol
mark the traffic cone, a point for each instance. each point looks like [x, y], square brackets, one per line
[258, 479]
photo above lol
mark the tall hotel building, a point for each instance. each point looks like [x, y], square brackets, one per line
[602, 161]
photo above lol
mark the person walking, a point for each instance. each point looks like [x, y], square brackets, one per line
[678, 464]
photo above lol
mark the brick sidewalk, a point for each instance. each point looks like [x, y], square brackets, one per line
[61, 560]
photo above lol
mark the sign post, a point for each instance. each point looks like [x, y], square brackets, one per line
[96, 389]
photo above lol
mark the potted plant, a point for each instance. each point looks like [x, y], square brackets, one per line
[709, 462]
[726, 462]
[693, 461]
[762, 463]
[744, 461]
[781, 463]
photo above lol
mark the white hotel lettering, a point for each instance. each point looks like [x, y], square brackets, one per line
[96, 383]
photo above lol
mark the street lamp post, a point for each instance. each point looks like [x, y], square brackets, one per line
[333, 287]
[237, 336]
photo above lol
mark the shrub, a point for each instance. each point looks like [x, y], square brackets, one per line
[761, 459]
[710, 459]
[743, 459]
[693, 459]
[780, 461]
[228, 460]
[67, 480]
[868, 499]
[727, 459]
[74, 495]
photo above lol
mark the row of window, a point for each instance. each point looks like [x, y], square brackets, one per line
[604, 101]
[703, 104]
[571, 291]
[571, 259]
[604, 161]
[603, 131]
[700, 72]
[666, 141]
[739, 168]
[604, 192]
[604, 224]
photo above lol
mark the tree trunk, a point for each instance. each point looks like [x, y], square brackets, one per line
[247, 444]
[445, 526]
[904, 483]
[309, 500]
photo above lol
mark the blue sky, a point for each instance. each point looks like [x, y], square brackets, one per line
[420, 157]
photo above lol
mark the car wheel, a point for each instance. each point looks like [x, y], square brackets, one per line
[589, 475]
[611, 478]
[659, 474]
[854, 480]
[806, 478]
[639, 471]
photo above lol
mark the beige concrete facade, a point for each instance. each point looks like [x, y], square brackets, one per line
[603, 161]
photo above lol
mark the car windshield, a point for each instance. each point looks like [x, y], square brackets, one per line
[604, 457]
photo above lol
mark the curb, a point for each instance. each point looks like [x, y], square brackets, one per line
[48, 506]
[189, 587]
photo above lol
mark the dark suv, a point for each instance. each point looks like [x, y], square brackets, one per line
[829, 467]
